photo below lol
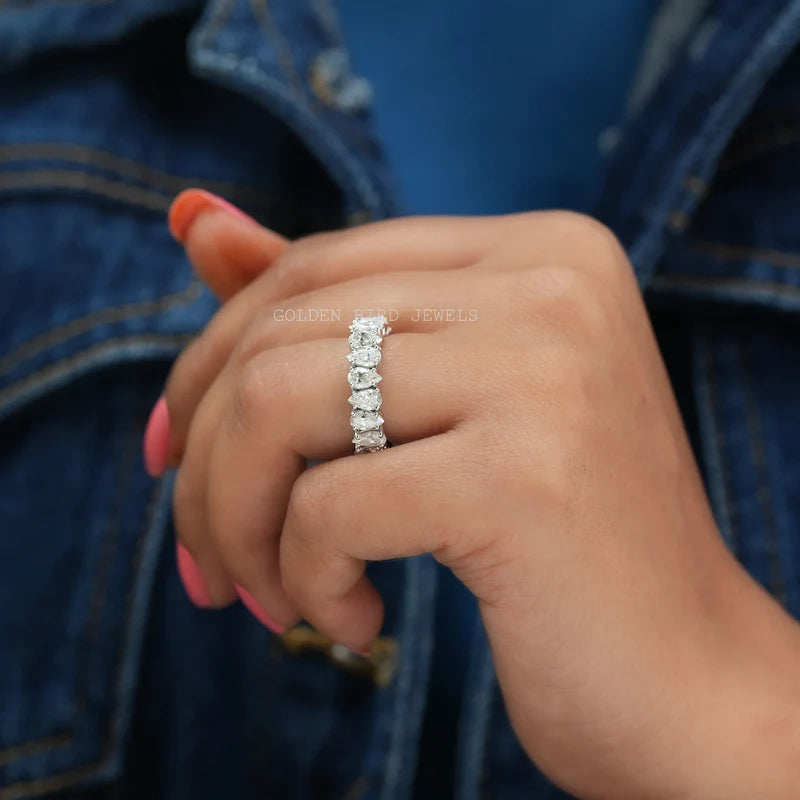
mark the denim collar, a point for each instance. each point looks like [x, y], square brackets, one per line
[667, 154]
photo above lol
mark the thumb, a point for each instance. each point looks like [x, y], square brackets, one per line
[227, 248]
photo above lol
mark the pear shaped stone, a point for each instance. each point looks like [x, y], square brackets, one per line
[365, 357]
[369, 440]
[363, 378]
[369, 324]
[368, 399]
[359, 339]
[365, 420]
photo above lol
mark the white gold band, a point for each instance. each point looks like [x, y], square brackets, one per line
[366, 335]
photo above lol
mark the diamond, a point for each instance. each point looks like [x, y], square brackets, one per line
[369, 439]
[365, 420]
[363, 378]
[368, 399]
[359, 339]
[372, 325]
[365, 357]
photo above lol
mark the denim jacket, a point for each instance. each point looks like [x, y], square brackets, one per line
[111, 684]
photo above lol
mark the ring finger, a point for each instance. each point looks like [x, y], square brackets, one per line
[285, 406]
[402, 292]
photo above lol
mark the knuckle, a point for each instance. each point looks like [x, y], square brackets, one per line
[586, 228]
[553, 283]
[258, 387]
[575, 302]
[312, 500]
[593, 313]
[597, 248]
[254, 339]
[545, 292]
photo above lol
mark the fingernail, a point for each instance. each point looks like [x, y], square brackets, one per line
[189, 204]
[191, 578]
[255, 609]
[156, 439]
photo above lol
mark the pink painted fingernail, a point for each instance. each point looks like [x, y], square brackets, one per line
[189, 204]
[255, 609]
[156, 439]
[192, 580]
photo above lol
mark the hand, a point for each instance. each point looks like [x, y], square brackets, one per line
[541, 457]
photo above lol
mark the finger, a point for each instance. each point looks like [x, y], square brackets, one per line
[206, 569]
[227, 248]
[368, 508]
[191, 510]
[414, 243]
[278, 324]
[289, 405]
[326, 313]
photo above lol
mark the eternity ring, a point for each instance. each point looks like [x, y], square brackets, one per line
[366, 335]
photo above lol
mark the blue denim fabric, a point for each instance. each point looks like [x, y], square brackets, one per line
[111, 684]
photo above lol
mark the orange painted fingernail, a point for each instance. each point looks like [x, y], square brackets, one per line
[156, 439]
[191, 577]
[189, 204]
[251, 604]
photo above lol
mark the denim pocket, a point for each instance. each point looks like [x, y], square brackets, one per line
[96, 302]
[81, 529]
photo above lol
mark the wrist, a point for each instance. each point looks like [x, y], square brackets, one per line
[743, 737]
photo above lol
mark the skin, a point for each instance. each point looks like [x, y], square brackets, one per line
[541, 457]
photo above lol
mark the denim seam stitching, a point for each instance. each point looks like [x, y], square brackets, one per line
[219, 12]
[782, 259]
[417, 647]
[472, 737]
[777, 579]
[489, 683]
[772, 287]
[15, 791]
[266, 22]
[21, 750]
[70, 363]
[403, 688]
[84, 181]
[138, 171]
[105, 316]
[109, 546]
